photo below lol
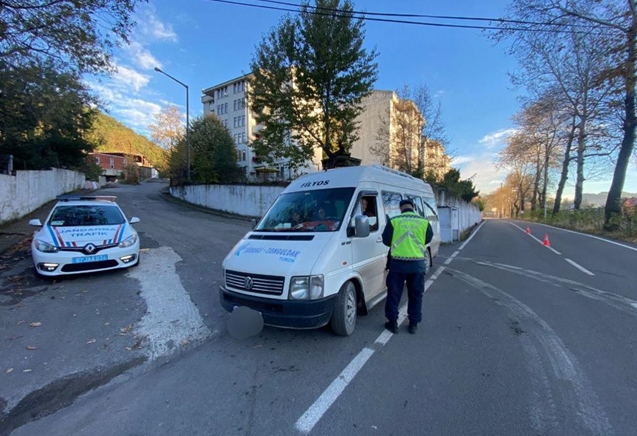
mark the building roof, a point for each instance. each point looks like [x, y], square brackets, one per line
[227, 82]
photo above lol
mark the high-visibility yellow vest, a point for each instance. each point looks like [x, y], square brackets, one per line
[410, 232]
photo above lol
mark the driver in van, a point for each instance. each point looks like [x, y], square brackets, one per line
[407, 235]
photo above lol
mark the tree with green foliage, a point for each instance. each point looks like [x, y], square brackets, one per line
[213, 154]
[72, 34]
[309, 76]
[45, 115]
[458, 188]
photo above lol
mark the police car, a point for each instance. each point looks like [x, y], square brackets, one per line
[84, 234]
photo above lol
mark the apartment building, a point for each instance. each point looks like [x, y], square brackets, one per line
[437, 162]
[228, 101]
[389, 133]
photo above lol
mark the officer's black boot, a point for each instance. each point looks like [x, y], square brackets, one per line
[413, 327]
[392, 326]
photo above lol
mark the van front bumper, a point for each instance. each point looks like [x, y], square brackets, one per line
[282, 313]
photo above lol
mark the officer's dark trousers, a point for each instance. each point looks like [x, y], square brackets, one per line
[415, 288]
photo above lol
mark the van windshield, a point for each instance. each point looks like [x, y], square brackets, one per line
[307, 211]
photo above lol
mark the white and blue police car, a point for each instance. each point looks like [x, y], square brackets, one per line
[84, 234]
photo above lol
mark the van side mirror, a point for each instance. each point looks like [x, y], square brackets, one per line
[35, 222]
[254, 223]
[361, 226]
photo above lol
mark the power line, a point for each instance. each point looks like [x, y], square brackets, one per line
[440, 17]
[353, 14]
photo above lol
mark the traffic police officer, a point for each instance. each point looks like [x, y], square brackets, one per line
[407, 235]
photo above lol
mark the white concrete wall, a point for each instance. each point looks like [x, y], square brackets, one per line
[468, 214]
[28, 190]
[245, 200]
[254, 201]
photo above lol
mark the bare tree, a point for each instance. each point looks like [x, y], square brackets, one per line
[608, 24]
[169, 127]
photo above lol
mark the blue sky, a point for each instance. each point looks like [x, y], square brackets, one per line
[203, 43]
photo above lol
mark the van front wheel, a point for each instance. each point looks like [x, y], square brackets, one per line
[343, 319]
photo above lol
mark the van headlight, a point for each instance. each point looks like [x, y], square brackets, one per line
[128, 241]
[45, 247]
[306, 287]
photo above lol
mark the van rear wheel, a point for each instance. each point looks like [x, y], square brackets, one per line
[343, 319]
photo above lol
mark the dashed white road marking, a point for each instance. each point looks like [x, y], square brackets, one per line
[312, 416]
[171, 318]
[579, 267]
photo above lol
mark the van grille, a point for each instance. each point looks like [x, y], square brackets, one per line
[258, 283]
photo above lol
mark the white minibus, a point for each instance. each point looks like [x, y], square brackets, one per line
[317, 257]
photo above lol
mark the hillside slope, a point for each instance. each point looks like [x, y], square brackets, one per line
[113, 136]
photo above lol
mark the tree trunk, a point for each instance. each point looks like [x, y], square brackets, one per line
[565, 164]
[581, 147]
[536, 181]
[613, 205]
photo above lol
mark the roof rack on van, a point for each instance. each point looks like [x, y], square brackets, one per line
[393, 171]
[71, 197]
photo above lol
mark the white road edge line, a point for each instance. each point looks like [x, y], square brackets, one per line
[579, 267]
[590, 236]
[308, 420]
[472, 235]
[306, 423]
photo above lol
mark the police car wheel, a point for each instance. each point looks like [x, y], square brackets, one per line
[343, 319]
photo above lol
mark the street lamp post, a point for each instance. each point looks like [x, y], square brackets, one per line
[187, 122]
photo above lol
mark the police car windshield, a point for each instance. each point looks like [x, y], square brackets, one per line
[319, 210]
[86, 215]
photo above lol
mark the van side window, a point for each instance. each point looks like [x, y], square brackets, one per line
[370, 210]
[431, 209]
[420, 210]
[391, 203]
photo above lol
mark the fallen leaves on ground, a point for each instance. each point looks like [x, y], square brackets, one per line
[31, 347]
[27, 370]
[9, 371]
[35, 324]
[91, 341]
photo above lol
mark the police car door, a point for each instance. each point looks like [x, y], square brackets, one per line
[369, 255]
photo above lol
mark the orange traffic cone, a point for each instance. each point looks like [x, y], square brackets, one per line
[546, 240]
[528, 230]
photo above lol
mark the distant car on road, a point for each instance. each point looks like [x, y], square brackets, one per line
[84, 234]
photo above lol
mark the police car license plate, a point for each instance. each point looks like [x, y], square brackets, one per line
[89, 258]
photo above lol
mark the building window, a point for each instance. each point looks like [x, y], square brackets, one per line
[243, 137]
[225, 108]
[97, 160]
[243, 120]
[212, 106]
[243, 156]
[112, 163]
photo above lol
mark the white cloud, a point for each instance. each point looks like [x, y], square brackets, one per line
[497, 138]
[151, 27]
[459, 160]
[483, 172]
[141, 56]
[130, 77]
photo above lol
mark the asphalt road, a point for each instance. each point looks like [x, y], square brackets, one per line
[517, 339]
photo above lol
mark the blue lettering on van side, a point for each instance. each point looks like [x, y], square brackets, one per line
[284, 254]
